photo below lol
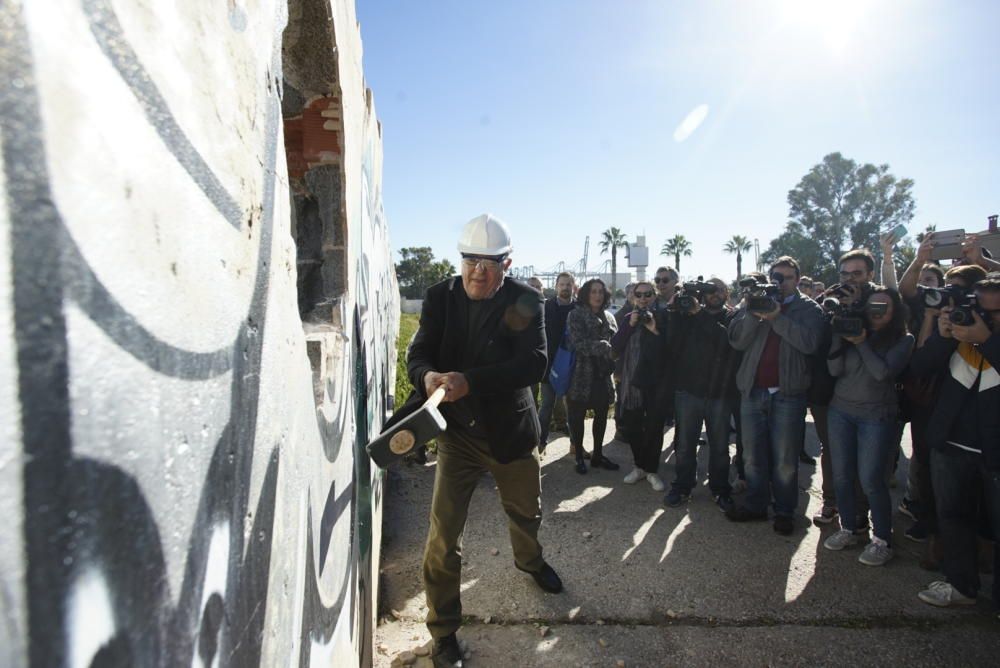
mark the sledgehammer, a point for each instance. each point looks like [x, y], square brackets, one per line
[415, 429]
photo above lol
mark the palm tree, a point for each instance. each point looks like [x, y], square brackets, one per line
[612, 239]
[737, 246]
[677, 246]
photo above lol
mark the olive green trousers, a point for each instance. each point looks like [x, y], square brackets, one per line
[461, 462]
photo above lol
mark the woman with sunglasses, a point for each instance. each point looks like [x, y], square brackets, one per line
[639, 346]
[862, 419]
[591, 327]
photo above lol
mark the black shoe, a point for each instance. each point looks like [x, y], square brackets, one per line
[446, 653]
[807, 459]
[743, 514]
[676, 498]
[909, 508]
[546, 578]
[581, 466]
[784, 525]
[724, 502]
[917, 533]
[602, 462]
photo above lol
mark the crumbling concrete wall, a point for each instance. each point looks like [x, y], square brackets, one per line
[197, 334]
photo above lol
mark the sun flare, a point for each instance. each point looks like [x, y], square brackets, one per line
[836, 23]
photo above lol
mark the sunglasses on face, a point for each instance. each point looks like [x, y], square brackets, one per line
[484, 263]
[643, 295]
[663, 280]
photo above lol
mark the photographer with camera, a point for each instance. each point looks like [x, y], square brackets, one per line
[640, 345]
[964, 435]
[918, 401]
[777, 329]
[862, 417]
[705, 391]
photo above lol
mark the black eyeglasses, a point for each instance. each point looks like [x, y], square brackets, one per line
[663, 280]
[641, 295]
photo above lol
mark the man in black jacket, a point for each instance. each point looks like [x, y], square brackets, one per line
[705, 369]
[483, 339]
[556, 311]
[964, 434]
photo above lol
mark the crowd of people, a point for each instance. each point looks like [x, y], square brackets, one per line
[864, 356]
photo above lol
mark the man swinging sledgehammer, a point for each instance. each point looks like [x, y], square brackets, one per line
[483, 339]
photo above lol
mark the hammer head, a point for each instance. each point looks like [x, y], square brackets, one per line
[415, 429]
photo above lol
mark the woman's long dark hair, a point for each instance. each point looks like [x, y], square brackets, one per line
[583, 294]
[896, 329]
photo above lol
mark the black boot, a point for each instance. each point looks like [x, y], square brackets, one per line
[581, 466]
[599, 461]
[446, 652]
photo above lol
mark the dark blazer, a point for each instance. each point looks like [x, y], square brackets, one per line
[509, 355]
[935, 357]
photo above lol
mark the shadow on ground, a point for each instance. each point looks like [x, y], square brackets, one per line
[651, 585]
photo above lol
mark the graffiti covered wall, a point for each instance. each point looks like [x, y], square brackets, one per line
[197, 334]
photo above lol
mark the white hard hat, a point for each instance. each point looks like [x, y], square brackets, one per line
[485, 235]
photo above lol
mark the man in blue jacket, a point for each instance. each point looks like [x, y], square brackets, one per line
[964, 436]
[482, 339]
[556, 311]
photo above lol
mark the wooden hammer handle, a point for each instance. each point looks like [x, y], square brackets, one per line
[436, 397]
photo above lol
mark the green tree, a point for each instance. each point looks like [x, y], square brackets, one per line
[737, 246]
[677, 246]
[840, 205]
[612, 239]
[417, 271]
[795, 242]
[845, 205]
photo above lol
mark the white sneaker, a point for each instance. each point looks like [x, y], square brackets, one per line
[655, 482]
[634, 476]
[838, 541]
[943, 595]
[876, 553]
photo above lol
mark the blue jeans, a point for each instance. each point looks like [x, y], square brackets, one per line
[773, 427]
[860, 448]
[545, 411]
[961, 483]
[691, 411]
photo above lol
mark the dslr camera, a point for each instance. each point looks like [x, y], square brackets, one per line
[644, 316]
[938, 297]
[965, 306]
[692, 293]
[849, 319]
[762, 297]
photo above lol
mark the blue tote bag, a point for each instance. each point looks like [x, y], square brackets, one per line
[562, 366]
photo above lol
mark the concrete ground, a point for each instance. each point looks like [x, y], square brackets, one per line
[647, 585]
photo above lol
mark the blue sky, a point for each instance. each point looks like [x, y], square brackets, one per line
[560, 116]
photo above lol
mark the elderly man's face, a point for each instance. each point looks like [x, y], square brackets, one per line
[482, 276]
[665, 283]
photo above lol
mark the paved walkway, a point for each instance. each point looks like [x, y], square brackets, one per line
[648, 585]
